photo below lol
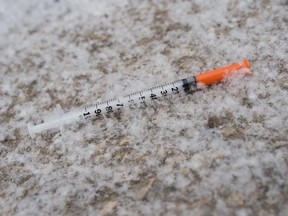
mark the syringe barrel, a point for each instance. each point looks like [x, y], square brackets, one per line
[141, 98]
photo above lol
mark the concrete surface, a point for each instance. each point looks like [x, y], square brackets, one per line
[220, 151]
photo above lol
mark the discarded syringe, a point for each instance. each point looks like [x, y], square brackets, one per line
[141, 98]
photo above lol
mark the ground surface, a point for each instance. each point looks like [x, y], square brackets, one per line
[220, 151]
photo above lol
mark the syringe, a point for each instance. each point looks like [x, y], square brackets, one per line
[141, 99]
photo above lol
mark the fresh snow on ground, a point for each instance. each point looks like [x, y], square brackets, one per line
[220, 151]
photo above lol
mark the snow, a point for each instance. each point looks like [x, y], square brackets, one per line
[220, 151]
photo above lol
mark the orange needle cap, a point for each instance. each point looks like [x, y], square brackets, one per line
[218, 75]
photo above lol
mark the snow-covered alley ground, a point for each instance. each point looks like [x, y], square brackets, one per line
[219, 151]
